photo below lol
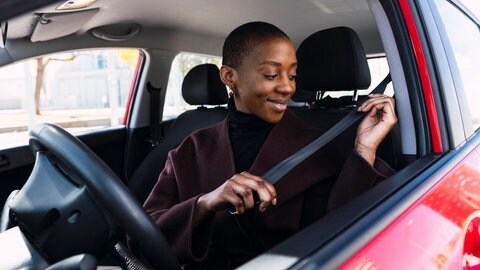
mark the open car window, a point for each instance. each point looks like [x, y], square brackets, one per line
[77, 90]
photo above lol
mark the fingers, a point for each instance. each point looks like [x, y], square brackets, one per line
[245, 184]
[380, 105]
[377, 99]
[375, 126]
[238, 192]
[265, 190]
[237, 201]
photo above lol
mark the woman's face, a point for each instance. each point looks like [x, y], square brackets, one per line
[265, 80]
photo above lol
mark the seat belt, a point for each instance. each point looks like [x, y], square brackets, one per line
[281, 169]
[154, 138]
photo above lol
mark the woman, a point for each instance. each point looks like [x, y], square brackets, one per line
[218, 168]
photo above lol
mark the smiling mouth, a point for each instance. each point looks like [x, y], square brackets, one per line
[278, 105]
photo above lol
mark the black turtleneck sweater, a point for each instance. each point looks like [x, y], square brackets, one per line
[247, 134]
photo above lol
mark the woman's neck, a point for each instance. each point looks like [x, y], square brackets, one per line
[241, 118]
[247, 134]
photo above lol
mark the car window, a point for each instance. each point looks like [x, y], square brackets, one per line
[473, 6]
[77, 90]
[464, 37]
[183, 62]
[378, 71]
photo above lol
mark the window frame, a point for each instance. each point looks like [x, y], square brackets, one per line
[450, 73]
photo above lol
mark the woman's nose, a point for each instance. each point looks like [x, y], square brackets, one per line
[286, 85]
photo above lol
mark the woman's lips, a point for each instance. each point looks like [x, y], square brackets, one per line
[278, 105]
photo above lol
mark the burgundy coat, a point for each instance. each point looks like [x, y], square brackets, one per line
[204, 161]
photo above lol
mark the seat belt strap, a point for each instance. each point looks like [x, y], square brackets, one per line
[281, 169]
[154, 114]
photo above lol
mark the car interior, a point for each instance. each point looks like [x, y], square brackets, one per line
[334, 41]
[201, 86]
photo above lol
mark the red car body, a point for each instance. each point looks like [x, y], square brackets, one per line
[441, 229]
[438, 231]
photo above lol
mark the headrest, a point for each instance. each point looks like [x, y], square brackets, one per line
[332, 60]
[202, 86]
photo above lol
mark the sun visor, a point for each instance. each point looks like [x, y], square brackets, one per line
[54, 25]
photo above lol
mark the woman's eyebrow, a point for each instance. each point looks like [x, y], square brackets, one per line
[277, 64]
[270, 62]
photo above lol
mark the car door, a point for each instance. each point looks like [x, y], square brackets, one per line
[87, 92]
[432, 222]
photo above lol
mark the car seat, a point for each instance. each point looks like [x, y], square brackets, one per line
[201, 86]
[333, 60]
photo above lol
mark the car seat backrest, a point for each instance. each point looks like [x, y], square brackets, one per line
[329, 60]
[332, 60]
[201, 86]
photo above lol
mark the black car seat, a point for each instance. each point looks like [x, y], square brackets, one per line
[333, 60]
[201, 86]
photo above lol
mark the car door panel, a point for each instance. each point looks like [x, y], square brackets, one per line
[435, 226]
[15, 171]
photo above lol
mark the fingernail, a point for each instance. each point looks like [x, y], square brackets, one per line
[262, 209]
[274, 202]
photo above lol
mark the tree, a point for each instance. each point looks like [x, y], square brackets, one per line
[42, 63]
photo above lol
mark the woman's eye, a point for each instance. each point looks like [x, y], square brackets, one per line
[271, 77]
[292, 77]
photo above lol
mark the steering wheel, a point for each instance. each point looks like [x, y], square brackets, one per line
[107, 190]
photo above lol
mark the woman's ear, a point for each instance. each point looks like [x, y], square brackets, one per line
[227, 75]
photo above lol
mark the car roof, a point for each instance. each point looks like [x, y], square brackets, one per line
[183, 25]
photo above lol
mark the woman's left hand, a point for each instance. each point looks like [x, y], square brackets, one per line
[379, 120]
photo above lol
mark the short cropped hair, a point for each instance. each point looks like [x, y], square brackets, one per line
[240, 42]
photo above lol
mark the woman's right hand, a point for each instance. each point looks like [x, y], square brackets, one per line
[238, 192]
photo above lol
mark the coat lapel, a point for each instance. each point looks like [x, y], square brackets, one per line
[221, 158]
[285, 139]
[280, 143]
